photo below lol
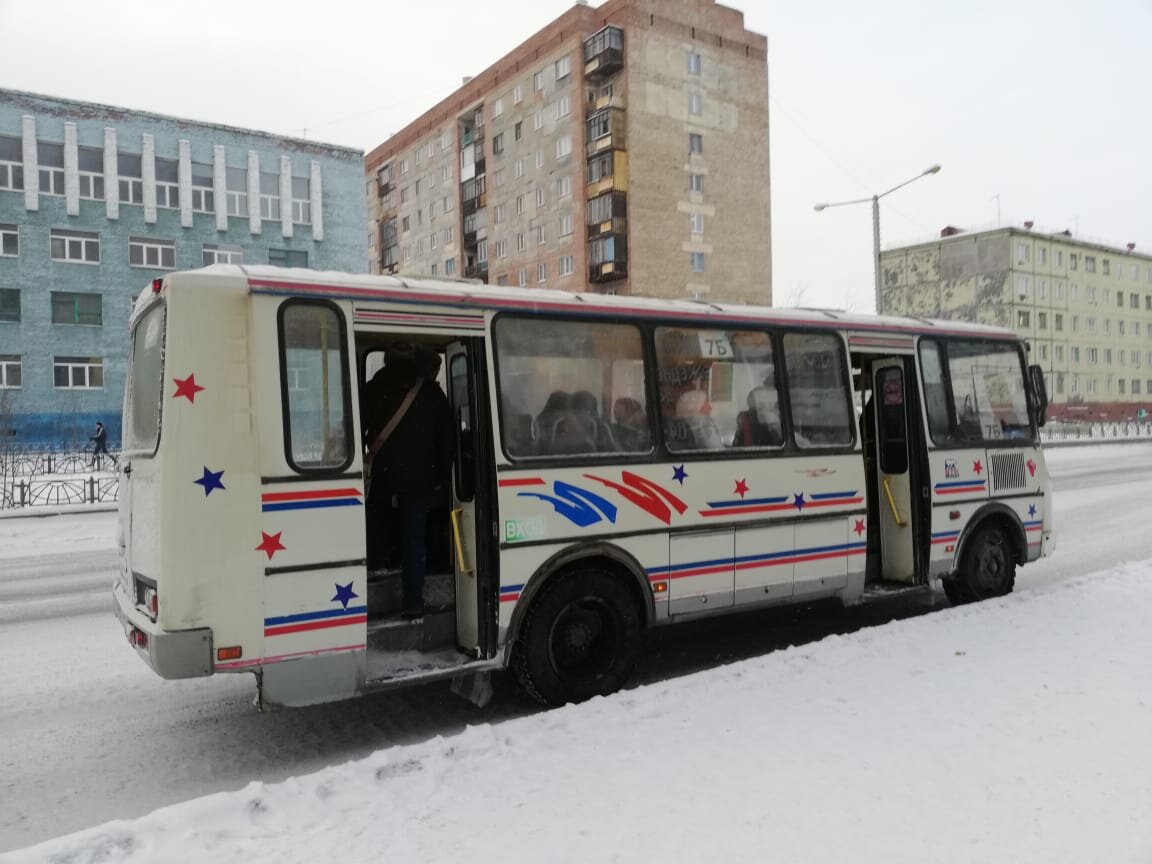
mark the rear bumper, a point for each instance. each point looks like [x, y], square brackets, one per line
[171, 654]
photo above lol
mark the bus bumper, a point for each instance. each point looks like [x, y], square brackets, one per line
[171, 654]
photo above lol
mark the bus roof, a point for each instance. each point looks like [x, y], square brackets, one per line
[430, 291]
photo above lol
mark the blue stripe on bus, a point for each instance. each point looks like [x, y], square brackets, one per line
[311, 505]
[821, 496]
[750, 502]
[960, 483]
[316, 616]
[763, 556]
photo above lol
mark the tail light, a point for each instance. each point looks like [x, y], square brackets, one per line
[151, 602]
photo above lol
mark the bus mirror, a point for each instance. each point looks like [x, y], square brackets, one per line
[1039, 393]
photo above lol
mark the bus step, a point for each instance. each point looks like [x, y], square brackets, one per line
[436, 630]
[884, 590]
[385, 591]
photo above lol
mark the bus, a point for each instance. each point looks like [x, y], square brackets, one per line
[619, 464]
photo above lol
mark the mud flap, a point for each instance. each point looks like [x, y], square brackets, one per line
[476, 687]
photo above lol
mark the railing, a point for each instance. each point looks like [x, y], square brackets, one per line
[1130, 430]
[32, 478]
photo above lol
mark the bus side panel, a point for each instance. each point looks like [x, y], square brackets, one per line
[210, 481]
[959, 483]
[310, 538]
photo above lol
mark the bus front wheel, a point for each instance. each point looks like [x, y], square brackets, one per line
[580, 639]
[987, 569]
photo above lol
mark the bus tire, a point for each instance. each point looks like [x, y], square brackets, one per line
[580, 638]
[987, 569]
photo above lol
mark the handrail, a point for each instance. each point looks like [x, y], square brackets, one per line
[892, 503]
[455, 514]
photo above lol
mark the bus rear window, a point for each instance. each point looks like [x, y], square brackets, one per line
[145, 391]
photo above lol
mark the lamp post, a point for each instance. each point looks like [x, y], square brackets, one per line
[875, 199]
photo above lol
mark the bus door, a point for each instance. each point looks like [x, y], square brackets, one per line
[894, 464]
[471, 545]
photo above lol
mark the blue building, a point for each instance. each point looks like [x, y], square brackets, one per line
[97, 201]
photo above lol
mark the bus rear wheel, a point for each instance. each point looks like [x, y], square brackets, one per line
[580, 639]
[987, 569]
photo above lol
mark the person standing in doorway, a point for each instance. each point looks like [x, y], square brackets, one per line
[411, 462]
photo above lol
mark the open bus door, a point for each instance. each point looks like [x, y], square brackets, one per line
[470, 500]
[898, 475]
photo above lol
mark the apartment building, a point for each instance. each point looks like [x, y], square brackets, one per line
[622, 149]
[96, 201]
[1084, 307]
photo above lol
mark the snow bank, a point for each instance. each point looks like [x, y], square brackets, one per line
[1014, 730]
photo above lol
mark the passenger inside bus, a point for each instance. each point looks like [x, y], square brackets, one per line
[759, 426]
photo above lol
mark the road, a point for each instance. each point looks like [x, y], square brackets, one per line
[89, 734]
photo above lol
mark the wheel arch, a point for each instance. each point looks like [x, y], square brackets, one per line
[1003, 517]
[607, 556]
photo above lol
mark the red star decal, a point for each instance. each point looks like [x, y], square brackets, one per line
[859, 529]
[187, 388]
[741, 488]
[977, 467]
[1031, 468]
[271, 543]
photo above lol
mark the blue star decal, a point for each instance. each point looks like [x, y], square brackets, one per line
[798, 501]
[1031, 509]
[210, 481]
[344, 593]
[678, 474]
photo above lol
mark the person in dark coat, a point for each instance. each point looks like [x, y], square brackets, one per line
[409, 467]
[101, 446]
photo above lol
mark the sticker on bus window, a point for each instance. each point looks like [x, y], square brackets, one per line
[519, 530]
[714, 345]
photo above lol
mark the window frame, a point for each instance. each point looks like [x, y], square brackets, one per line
[346, 397]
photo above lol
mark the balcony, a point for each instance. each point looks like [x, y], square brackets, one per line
[603, 53]
[607, 258]
[604, 130]
[608, 271]
[607, 214]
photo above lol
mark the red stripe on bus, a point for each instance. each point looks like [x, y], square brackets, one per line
[315, 625]
[315, 493]
[758, 508]
[522, 481]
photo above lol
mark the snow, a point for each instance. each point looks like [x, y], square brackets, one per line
[1012, 730]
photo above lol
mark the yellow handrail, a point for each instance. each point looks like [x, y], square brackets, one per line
[467, 571]
[892, 504]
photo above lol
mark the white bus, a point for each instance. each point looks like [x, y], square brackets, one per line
[620, 464]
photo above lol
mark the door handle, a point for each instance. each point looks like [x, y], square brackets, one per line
[892, 503]
[455, 514]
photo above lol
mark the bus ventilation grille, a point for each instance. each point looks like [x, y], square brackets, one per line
[1008, 471]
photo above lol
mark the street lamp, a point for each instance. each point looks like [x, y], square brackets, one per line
[875, 199]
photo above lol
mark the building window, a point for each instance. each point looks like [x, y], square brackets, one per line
[12, 164]
[695, 142]
[9, 304]
[450, 267]
[1042, 320]
[696, 223]
[498, 178]
[520, 244]
[168, 184]
[1089, 263]
[563, 146]
[432, 238]
[542, 272]
[1134, 301]
[236, 182]
[91, 168]
[405, 224]
[159, 254]
[1023, 253]
[498, 144]
[565, 225]
[538, 81]
[563, 67]
[203, 198]
[301, 201]
[1042, 255]
[81, 247]
[501, 248]
[130, 170]
[78, 373]
[1120, 299]
[540, 156]
[693, 63]
[73, 307]
[540, 238]
[698, 262]
[1058, 322]
[539, 198]
[51, 162]
[498, 213]
[519, 204]
[695, 182]
[564, 186]
[288, 257]
[523, 277]
[518, 94]
[9, 241]
[565, 265]
[217, 254]
[537, 121]
[10, 372]
[449, 234]
[270, 196]
[563, 106]
[1059, 257]
[694, 103]
[1106, 268]
[1073, 260]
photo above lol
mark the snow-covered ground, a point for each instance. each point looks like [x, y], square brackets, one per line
[1015, 730]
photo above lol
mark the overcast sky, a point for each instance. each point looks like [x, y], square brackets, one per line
[1043, 104]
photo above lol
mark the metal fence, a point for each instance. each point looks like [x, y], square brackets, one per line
[35, 478]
